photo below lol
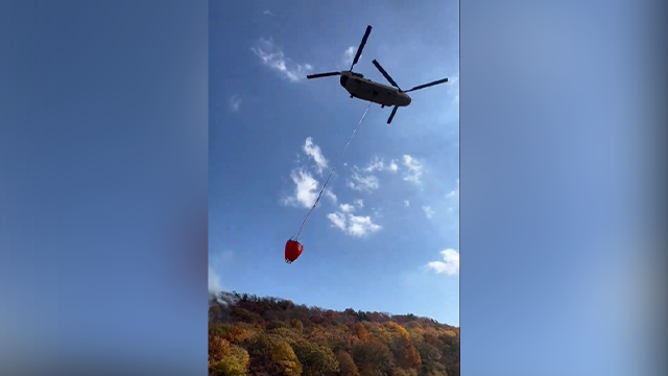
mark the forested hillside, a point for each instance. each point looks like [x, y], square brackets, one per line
[256, 336]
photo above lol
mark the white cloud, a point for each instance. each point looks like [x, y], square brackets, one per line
[449, 265]
[353, 225]
[214, 282]
[349, 55]
[428, 211]
[363, 183]
[305, 191]
[455, 192]
[415, 169]
[347, 208]
[378, 164]
[314, 152]
[394, 167]
[359, 203]
[375, 165]
[338, 219]
[267, 12]
[235, 103]
[407, 203]
[360, 226]
[330, 195]
[274, 58]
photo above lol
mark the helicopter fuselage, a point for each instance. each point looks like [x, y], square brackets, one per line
[364, 88]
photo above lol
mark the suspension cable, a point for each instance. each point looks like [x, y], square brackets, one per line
[331, 173]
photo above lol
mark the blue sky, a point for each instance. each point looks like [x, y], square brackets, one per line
[385, 237]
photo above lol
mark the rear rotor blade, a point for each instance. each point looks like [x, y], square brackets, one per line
[387, 76]
[428, 85]
[361, 47]
[323, 75]
[394, 111]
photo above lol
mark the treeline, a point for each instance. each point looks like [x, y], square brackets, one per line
[249, 335]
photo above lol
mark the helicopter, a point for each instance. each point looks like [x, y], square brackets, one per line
[363, 88]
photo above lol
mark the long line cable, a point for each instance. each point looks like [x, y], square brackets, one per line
[331, 172]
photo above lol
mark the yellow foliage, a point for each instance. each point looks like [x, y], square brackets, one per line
[398, 328]
[285, 358]
[218, 348]
[239, 334]
[361, 332]
[451, 333]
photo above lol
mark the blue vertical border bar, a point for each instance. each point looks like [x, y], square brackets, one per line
[559, 248]
[103, 198]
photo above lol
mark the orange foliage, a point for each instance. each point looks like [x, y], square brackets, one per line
[269, 336]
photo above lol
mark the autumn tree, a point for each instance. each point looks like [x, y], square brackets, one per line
[347, 366]
[316, 360]
[260, 349]
[431, 359]
[226, 359]
[373, 356]
[256, 336]
[283, 356]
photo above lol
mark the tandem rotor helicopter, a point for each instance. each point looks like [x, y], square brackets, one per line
[363, 88]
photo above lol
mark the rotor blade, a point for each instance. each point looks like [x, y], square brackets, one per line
[387, 76]
[394, 111]
[428, 85]
[323, 75]
[361, 47]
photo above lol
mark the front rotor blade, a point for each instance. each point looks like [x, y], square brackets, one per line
[428, 85]
[394, 111]
[361, 47]
[323, 75]
[387, 76]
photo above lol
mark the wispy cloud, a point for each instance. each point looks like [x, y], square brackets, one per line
[366, 183]
[330, 195]
[378, 164]
[449, 265]
[305, 191]
[314, 152]
[349, 56]
[234, 103]
[360, 226]
[455, 192]
[353, 225]
[273, 57]
[267, 12]
[428, 211]
[414, 169]
[338, 220]
[407, 203]
[347, 208]
[453, 198]
[306, 186]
